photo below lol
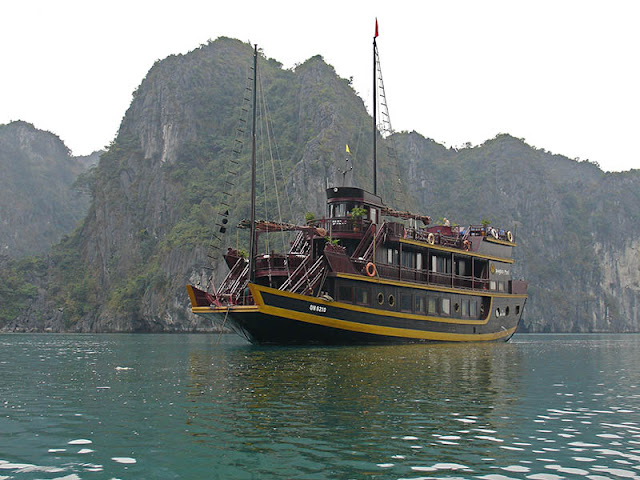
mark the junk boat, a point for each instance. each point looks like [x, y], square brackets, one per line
[368, 274]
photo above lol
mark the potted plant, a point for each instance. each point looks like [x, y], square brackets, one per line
[356, 214]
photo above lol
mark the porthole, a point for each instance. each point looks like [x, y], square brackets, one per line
[392, 300]
[381, 298]
[498, 313]
[517, 309]
[506, 311]
[456, 307]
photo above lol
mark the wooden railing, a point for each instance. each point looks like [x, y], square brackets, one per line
[393, 272]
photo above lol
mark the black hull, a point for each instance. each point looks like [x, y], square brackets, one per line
[282, 318]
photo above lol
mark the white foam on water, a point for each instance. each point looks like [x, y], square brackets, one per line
[545, 476]
[398, 457]
[573, 471]
[73, 476]
[424, 469]
[125, 460]
[449, 437]
[446, 442]
[626, 425]
[584, 459]
[466, 420]
[491, 439]
[545, 459]
[516, 469]
[566, 435]
[597, 477]
[80, 441]
[484, 430]
[608, 435]
[57, 450]
[385, 465]
[493, 476]
[15, 466]
[518, 449]
[619, 472]
[416, 447]
[408, 437]
[83, 451]
[583, 444]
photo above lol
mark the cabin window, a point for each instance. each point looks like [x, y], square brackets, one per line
[492, 285]
[498, 312]
[381, 298]
[501, 286]
[362, 296]
[456, 307]
[473, 308]
[432, 305]
[419, 261]
[506, 312]
[392, 256]
[517, 309]
[462, 268]
[440, 264]
[345, 294]
[374, 215]
[445, 306]
[405, 302]
[465, 308]
[420, 304]
[392, 300]
[408, 259]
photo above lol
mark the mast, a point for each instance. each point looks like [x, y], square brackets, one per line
[252, 239]
[375, 127]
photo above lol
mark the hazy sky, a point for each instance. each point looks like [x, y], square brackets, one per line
[562, 74]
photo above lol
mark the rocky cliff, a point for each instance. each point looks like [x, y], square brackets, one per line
[157, 190]
[38, 204]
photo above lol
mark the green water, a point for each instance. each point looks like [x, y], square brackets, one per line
[182, 406]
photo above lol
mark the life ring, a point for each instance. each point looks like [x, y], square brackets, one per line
[431, 238]
[467, 245]
[510, 236]
[370, 269]
[494, 233]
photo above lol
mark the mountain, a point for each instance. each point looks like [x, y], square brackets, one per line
[157, 191]
[38, 204]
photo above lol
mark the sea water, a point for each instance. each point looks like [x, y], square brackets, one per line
[208, 407]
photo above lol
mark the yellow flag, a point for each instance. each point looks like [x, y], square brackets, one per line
[348, 149]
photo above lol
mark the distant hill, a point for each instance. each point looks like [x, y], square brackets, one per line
[156, 191]
[38, 204]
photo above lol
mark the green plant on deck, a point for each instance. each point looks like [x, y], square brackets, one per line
[358, 212]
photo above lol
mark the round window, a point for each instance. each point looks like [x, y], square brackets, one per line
[392, 301]
[498, 313]
[381, 299]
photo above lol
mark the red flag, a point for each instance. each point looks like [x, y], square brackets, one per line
[376, 29]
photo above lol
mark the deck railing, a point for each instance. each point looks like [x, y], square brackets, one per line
[393, 272]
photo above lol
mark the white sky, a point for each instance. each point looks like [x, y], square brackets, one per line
[562, 74]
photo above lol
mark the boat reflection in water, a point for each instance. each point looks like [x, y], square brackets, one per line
[306, 406]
